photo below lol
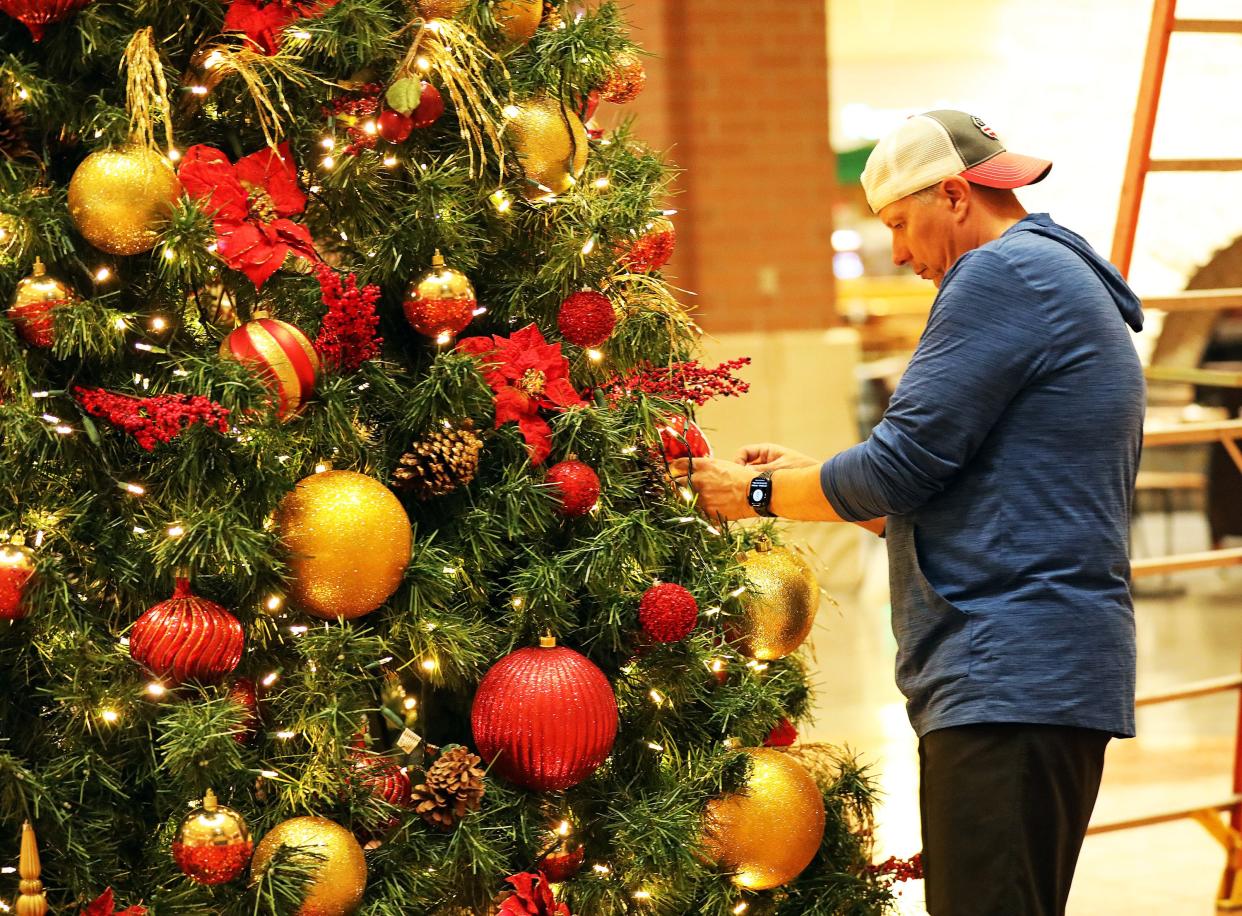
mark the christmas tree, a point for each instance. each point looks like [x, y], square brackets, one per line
[340, 570]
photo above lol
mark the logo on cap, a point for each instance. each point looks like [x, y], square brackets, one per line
[984, 129]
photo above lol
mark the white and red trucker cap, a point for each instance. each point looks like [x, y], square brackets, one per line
[935, 145]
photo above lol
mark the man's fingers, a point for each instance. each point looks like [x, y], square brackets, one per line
[751, 454]
[679, 467]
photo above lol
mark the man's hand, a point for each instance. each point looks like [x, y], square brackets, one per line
[768, 456]
[721, 485]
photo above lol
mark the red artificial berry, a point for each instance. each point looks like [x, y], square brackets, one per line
[587, 318]
[577, 485]
[430, 106]
[394, 126]
[667, 612]
[783, 734]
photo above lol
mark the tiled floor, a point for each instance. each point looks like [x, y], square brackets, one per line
[1182, 757]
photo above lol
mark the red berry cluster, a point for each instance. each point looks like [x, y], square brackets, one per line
[687, 381]
[354, 110]
[896, 869]
[153, 420]
[347, 336]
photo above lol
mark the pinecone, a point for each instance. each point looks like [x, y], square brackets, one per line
[452, 787]
[12, 133]
[441, 461]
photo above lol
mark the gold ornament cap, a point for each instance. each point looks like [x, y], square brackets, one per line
[40, 288]
[212, 824]
[441, 282]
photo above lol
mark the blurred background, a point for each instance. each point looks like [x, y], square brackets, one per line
[771, 109]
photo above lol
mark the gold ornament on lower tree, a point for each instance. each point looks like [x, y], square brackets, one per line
[550, 143]
[769, 831]
[33, 301]
[441, 302]
[32, 902]
[452, 788]
[213, 844]
[440, 461]
[778, 605]
[341, 876]
[518, 20]
[348, 539]
[121, 198]
[439, 9]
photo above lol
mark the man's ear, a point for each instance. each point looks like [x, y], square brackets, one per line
[957, 191]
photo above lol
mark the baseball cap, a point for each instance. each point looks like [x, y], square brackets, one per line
[935, 145]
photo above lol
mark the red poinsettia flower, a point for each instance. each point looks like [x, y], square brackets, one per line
[103, 905]
[528, 374]
[532, 896]
[250, 203]
[265, 21]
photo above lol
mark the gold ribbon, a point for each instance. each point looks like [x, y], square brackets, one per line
[146, 90]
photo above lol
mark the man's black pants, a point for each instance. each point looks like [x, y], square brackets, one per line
[1004, 809]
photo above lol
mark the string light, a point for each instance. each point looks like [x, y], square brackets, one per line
[301, 35]
[270, 679]
[501, 200]
[158, 323]
[657, 697]
[64, 430]
[320, 467]
[328, 162]
[135, 489]
[156, 689]
[103, 275]
[109, 715]
[563, 828]
[444, 338]
[174, 154]
[737, 591]
[119, 323]
[741, 908]
[370, 128]
[431, 664]
[410, 703]
[198, 90]
[654, 746]
[423, 63]
[285, 735]
[170, 254]
[600, 183]
[642, 896]
[328, 143]
[595, 355]
[175, 531]
[391, 160]
[511, 111]
[298, 629]
[517, 603]
[589, 246]
[274, 602]
[601, 869]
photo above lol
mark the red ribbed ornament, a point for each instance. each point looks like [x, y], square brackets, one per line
[382, 778]
[544, 717]
[281, 355]
[577, 485]
[187, 637]
[587, 318]
[36, 14]
[682, 438]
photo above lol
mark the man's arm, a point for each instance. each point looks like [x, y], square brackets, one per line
[797, 495]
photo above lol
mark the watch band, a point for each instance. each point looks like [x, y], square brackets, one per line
[760, 497]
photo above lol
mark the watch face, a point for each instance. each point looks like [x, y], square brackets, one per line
[756, 495]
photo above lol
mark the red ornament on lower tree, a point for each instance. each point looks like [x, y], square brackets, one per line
[394, 126]
[430, 107]
[16, 571]
[651, 250]
[667, 612]
[544, 717]
[281, 355]
[36, 15]
[383, 779]
[587, 318]
[187, 638]
[563, 862]
[578, 486]
[783, 734]
[246, 695]
[680, 437]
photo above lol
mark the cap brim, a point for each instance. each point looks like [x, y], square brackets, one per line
[1008, 170]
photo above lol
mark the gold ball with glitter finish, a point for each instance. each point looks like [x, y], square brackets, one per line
[120, 198]
[518, 19]
[342, 875]
[551, 144]
[349, 541]
[768, 832]
[778, 605]
[439, 9]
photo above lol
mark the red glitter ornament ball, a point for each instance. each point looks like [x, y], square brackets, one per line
[544, 717]
[667, 612]
[783, 734]
[587, 318]
[16, 571]
[651, 250]
[430, 107]
[394, 126]
[682, 438]
[187, 637]
[626, 79]
[577, 485]
[246, 695]
[37, 14]
[213, 844]
[563, 862]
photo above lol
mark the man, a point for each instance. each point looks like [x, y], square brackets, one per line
[1005, 466]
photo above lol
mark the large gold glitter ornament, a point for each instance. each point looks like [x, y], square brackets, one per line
[518, 19]
[120, 198]
[439, 9]
[348, 539]
[778, 606]
[551, 144]
[767, 833]
[342, 875]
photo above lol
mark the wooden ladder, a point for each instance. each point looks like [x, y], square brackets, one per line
[1226, 432]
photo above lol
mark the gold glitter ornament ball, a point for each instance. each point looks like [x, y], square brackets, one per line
[518, 19]
[348, 539]
[342, 875]
[768, 832]
[439, 9]
[120, 198]
[778, 606]
[551, 144]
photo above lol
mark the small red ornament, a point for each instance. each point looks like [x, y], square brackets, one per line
[651, 250]
[37, 14]
[16, 571]
[667, 612]
[783, 734]
[33, 301]
[563, 862]
[187, 637]
[681, 438]
[544, 717]
[626, 79]
[587, 318]
[578, 486]
[394, 126]
[281, 355]
[430, 107]
[531, 896]
[383, 779]
[589, 106]
[441, 302]
[246, 695]
[213, 844]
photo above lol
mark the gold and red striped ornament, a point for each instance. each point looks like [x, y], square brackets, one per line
[37, 14]
[187, 638]
[281, 355]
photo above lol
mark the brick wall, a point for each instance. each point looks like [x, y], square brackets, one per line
[738, 98]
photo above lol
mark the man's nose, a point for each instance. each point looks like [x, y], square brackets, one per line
[901, 255]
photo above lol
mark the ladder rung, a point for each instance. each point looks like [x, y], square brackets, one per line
[1194, 165]
[1191, 433]
[1208, 559]
[1215, 26]
[1196, 300]
[1163, 818]
[1211, 378]
[1192, 690]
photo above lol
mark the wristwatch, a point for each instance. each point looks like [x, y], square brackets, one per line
[759, 495]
